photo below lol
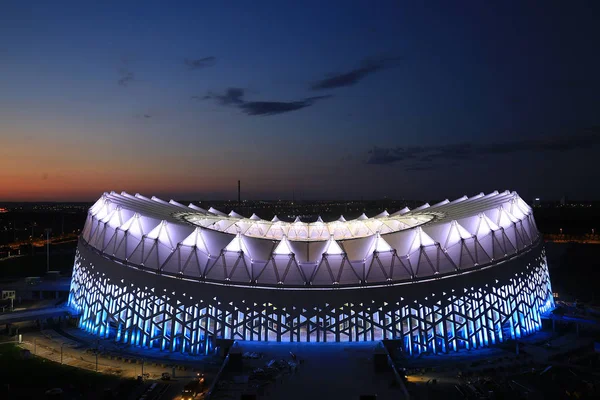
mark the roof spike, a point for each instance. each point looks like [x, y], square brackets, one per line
[255, 217]
[275, 219]
[283, 247]
[401, 212]
[297, 219]
[319, 219]
[382, 214]
[333, 247]
[233, 214]
[341, 218]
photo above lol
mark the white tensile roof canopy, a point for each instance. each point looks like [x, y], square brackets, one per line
[437, 239]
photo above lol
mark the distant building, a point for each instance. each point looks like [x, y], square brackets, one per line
[536, 202]
[36, 288]
[8, 294]
[563, 200]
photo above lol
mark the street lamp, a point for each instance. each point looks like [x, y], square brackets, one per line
[48, 230]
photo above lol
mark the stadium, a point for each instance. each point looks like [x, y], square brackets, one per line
[458, 274]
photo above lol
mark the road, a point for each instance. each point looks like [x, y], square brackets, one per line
[33, 314]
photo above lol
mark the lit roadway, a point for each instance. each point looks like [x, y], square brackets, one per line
[41, 242]
[29, 315]
[584, 239]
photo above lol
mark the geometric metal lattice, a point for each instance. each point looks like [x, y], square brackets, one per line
[153, 318]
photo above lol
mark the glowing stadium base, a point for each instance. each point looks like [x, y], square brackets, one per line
[469, 310]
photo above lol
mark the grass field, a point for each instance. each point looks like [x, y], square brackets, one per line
[30, 377]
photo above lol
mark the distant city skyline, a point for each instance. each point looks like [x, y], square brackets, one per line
[336, 101]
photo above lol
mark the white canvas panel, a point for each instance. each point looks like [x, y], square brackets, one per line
[379, 245]
[259, 249]
[323, 274]
[471, 223]
[148, 224]
[156, 254]
[487, 243]
[425, 260]
[347, 274]
[467, 254]
[87, 228]
[216, 241]
[238, 268]
[267, 273]
[216, 269]
[300, 250]
[454, 253]
[510, 239]
[335, 264]
[276, 231]
[445, 263]
[136, 256]
[196, 264]
[387, 260]
[133, 227]
[401, 269]
[401, 241]
[289, 271]
[318, 230]
[375, 270]
[308, 269]
[195, 239]
[178, 232]
[439, 232]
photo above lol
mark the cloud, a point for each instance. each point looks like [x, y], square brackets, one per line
[418, 157]
[235, 97]
[277, 107]
[419, 167]
[232, 96]
[354, 76]
[200, 63]
[126, 77]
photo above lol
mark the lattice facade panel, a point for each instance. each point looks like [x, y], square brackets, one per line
[469, 310]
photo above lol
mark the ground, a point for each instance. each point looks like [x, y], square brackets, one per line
[116, 362]
[29, 377]
[499, 372]
[326, 371]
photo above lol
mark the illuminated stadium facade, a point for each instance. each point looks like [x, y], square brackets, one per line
[458, 274]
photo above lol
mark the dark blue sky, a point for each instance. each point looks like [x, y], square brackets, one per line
[328, 99]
